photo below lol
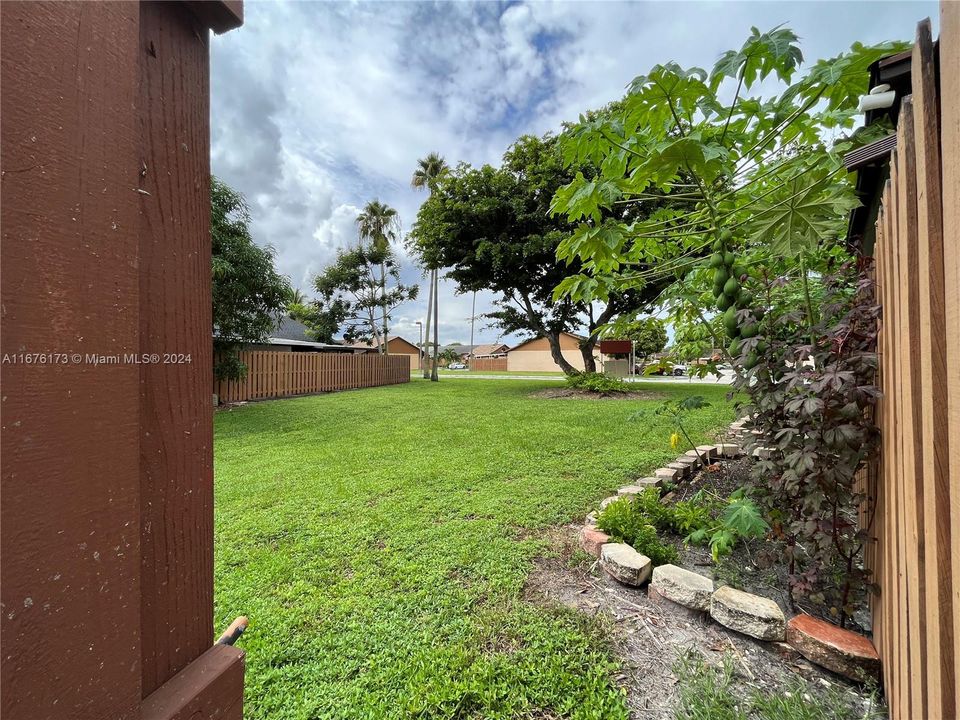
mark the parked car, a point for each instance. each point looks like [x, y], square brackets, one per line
[679, 370]
[457, 366]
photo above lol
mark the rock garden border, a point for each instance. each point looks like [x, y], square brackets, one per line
[839, 650]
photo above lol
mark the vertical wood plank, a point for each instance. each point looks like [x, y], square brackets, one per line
[68, 280]
[912, 411]
[950, 178]
[933, 378]
[176, 442]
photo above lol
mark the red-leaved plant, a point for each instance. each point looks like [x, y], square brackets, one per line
[811, 385]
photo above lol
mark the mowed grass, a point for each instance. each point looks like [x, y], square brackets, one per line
[379, 541]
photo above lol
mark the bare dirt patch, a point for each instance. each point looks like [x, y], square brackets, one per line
[648, 637]
[578, 394]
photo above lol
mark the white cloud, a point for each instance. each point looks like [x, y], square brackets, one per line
[319, 107]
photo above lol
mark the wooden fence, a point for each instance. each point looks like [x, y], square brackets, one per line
[914, 510]
[489, 363]
[272, 374]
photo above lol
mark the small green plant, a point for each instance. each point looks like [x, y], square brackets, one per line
[597, 383]
[708, 692]
[739, 520]
[626, 520]
[702, 520]
[705, 692]
[675, 410]
[694, 514]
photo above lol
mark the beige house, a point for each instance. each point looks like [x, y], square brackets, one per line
[534, 355]
[396, 345]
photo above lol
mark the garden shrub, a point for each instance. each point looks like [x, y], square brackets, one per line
[701, 520]
[625, 521]
[810, 376]
[597, 383]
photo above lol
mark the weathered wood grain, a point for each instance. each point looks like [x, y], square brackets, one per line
[176, 425]
[950, 178]
[69, 576]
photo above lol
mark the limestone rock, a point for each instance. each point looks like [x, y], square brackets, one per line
[667, 473]
[729, 450]
[683, 586]
[624, 564]
[749, 614]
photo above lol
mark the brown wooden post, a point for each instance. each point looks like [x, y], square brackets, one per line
[106, 538]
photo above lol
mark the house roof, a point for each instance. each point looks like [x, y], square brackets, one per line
[579, 338]
[287, 331]
[483, 349]
[370, 345]
[489, 349]
[872, 162]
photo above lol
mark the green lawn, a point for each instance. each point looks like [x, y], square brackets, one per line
[379, 540]
[531, 373]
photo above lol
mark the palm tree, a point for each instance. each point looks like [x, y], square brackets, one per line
[429, 170]
[379, 223]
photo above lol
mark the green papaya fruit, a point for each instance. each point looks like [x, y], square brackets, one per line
[752, 360]
[723, 302]
[721, 276]
[728, 259]
[726, 235]
[731, 287]
[749, 330]
[730, 318]
[718, 246]
[734, 348]
[716, 260]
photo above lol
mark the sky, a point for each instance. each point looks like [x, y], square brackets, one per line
[319, 107]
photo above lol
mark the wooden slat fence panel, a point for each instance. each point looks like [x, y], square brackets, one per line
[492, 363]
[272, 374]
[913, 507]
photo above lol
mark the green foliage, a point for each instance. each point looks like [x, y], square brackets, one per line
[676, 411]
[810, 375]
[738, 519]
[626, 521]
[365, 586]
[357, 292]
[649, 335]
[710, 692]
[449, 355]
[248, 293]
[597, 383]
[702, 520]
[492, 228]
[754, 177]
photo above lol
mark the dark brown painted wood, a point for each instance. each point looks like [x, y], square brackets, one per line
[106, 518]
[69, 584]
[211, 688]
[176, 423]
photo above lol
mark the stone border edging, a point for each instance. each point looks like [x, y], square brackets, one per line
[844, 652]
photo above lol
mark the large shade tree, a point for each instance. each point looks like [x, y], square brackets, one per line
[249, 295]
[492, 229]
[430, 170]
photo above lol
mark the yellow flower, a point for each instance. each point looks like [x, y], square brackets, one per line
[674, 441]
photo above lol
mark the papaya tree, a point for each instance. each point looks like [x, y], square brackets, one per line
[752, 238]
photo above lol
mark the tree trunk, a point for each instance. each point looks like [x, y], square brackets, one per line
[554, 339]
[383, 295]
[426, 337]
[434, 375]
[586, 350]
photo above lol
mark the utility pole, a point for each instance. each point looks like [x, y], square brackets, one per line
[420, 346]
[473, 317]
